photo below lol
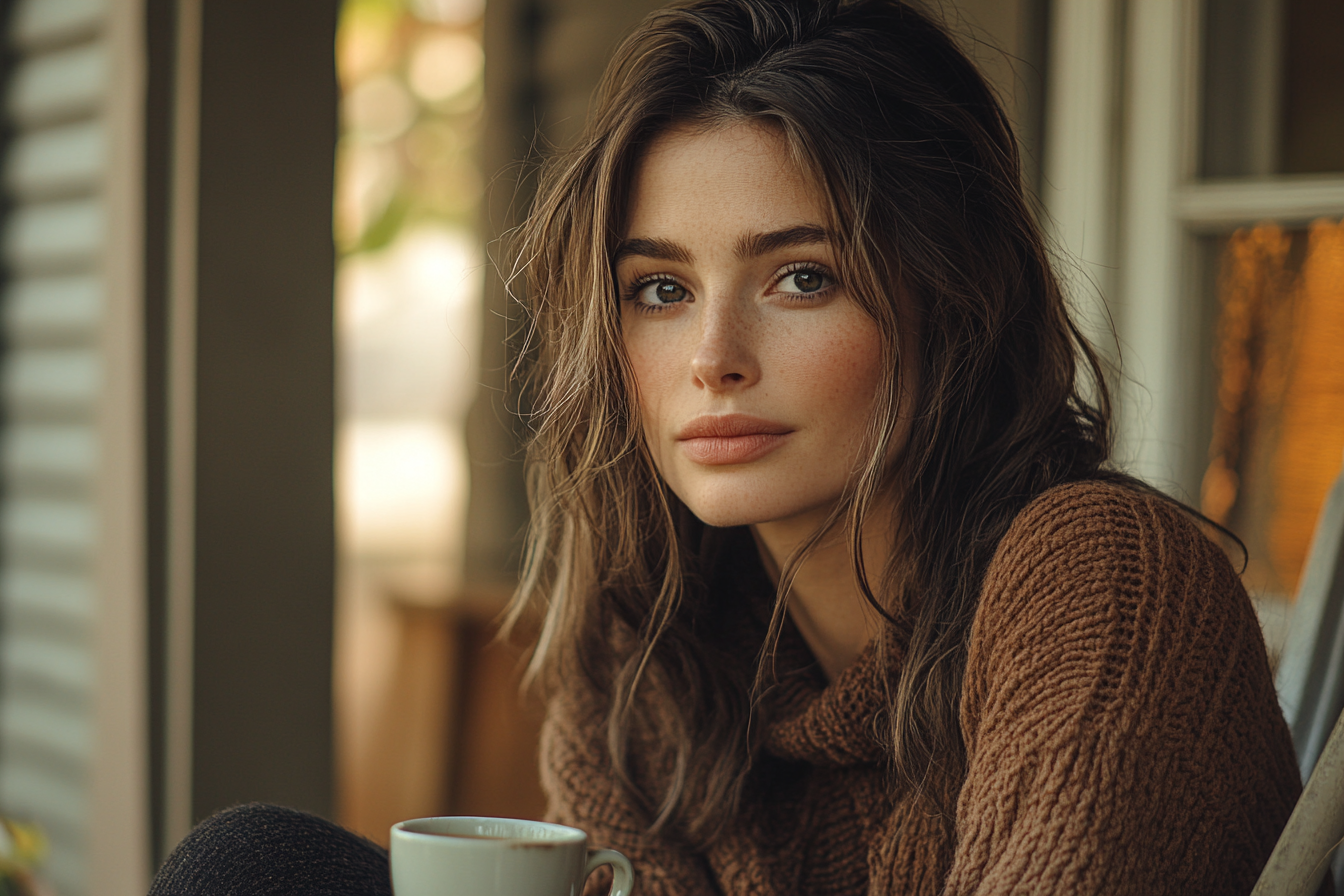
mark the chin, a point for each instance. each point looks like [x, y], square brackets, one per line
[749, 509]
[724, 517]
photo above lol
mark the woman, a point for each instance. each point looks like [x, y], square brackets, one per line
[840, 593]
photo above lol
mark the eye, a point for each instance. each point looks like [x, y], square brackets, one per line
[804, 282]
[658, 293]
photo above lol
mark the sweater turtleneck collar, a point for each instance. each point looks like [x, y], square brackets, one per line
[836, 724]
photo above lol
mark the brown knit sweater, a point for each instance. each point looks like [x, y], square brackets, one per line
[1120, 722]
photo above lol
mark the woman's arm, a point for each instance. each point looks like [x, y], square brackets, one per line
[1122, 729]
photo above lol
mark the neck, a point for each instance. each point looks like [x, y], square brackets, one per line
[825, 602]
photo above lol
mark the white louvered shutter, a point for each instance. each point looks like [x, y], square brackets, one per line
[54, 375]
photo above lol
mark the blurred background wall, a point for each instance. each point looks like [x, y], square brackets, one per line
[260, 482]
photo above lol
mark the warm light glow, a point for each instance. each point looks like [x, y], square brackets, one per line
[1255, 287]
[403, 485]
[408, 321]
[408, 298]
[443, 65]
[365, 41]
[1278, 436]
[449, 12]
[379, 109]
[1311, 444]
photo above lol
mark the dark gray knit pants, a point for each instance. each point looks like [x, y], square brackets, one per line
[259, 850]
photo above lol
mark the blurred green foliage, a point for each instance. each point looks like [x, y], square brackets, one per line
[411, 112]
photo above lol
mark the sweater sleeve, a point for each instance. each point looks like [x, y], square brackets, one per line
[583, 791]
[1122, 731]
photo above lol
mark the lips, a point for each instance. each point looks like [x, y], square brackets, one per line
[731, 438]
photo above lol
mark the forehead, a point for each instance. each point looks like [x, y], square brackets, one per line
[720, 181]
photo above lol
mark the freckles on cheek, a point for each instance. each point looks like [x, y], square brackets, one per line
[846, 368]
[862, 370]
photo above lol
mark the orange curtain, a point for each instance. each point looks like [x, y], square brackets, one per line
[1311, 444]
[1278, 435]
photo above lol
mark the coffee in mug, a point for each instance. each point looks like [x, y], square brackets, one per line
[465, 855]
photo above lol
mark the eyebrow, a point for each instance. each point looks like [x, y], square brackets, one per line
[750, 246]
[663, 250]
[758, 244]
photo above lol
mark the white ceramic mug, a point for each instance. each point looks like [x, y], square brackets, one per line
[466, 855]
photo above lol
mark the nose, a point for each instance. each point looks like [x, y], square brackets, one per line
[725, 356]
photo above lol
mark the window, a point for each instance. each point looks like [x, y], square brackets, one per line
[1195, 167]
[1272, 116]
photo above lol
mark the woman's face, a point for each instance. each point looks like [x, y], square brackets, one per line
[756, 372]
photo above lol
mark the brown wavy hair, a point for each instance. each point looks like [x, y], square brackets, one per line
[920, 171]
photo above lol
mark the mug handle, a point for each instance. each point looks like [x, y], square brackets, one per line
[623, 883]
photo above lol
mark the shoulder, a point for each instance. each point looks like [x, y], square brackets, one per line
[1116, 673]
[1114, 597]
[1113, 582]
[1103, 537]
[1100, 514]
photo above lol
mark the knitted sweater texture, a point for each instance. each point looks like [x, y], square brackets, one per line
[1120, 722]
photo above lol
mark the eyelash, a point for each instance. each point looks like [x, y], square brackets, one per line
[810, 267]
[631, 293]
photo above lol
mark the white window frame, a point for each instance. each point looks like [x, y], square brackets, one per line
[1122, 192]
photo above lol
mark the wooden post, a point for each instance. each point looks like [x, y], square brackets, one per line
[1302, 855]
